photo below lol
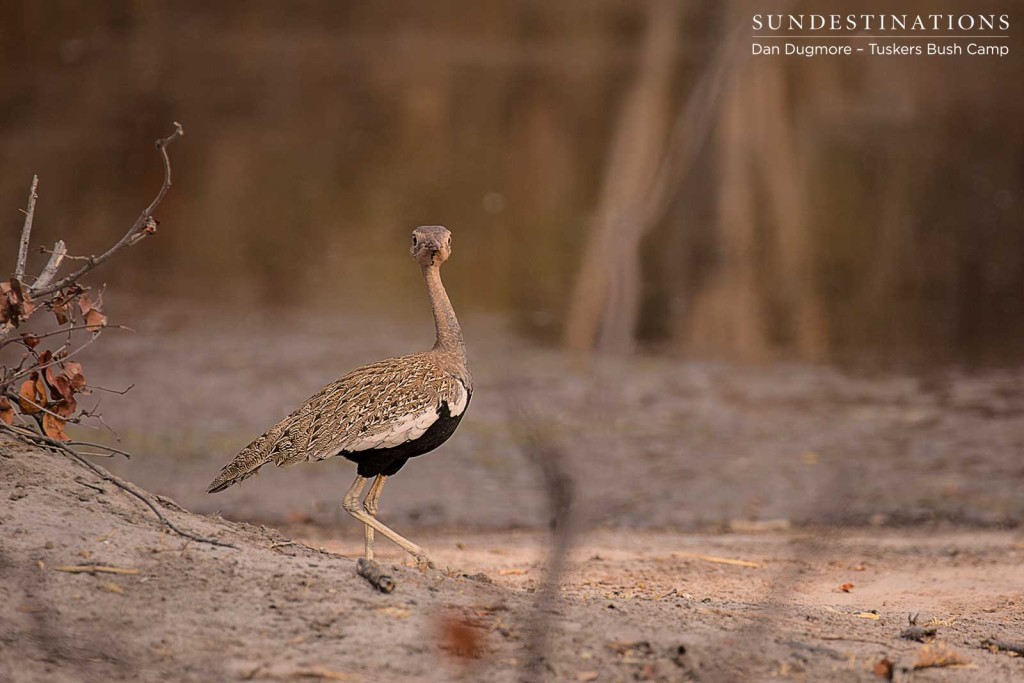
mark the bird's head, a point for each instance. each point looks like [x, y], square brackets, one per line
[431, 245]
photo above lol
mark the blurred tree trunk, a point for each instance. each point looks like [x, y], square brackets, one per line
[606, 300]
[783, 155]
[763, 293]
[727, 314]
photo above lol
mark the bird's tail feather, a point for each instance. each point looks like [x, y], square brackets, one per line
[244, 465]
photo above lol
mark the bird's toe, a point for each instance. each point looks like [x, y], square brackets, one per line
[423, 563]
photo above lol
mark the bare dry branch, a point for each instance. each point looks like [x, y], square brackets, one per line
[118, 451]
[26, 231]
[73, 328]
[25, 435]
[142, 226]
[37, 368]
[60, 250]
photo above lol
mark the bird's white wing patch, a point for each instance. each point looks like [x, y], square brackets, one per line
[458, 403]
[407, 428]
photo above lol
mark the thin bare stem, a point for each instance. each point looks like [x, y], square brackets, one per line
[37, 368]
[113, 391]
[142, 226]
[61, 331]
[126, 454]
[26, 231]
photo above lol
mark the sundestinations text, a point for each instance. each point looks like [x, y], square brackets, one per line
[881, 22]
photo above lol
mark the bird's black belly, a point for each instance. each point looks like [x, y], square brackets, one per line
[388, 461]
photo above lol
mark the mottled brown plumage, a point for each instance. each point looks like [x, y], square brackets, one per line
[363, 405]
[379, 415]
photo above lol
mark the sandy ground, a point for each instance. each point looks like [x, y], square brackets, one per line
[906, 485]
[641, 605]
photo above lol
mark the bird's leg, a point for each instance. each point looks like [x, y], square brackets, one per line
[370, 503]
[355, 508]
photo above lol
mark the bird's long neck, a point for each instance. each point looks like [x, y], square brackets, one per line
[449, 334]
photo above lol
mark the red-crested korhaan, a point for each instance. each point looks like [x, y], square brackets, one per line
[379, 415]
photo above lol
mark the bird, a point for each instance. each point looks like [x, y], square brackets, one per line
[380, 415]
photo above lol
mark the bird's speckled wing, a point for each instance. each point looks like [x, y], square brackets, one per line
[377, 406]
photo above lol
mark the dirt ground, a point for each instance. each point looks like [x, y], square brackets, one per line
[721, 510]
[636, 605]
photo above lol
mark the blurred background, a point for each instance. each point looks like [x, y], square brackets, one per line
[621, 178]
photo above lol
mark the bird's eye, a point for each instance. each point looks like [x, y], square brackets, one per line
[414, 240]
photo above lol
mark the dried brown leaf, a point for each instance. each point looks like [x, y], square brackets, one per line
[73, 371]
[6, 411]
[30, 340]
[53, 375]
[846, 587]
[85, 303]
[15, 304]
[8, 308]
[62, 311]
[53, 427]
[66, 408]
[27, 397]
[30, 398]
[94, 320]
[63, 387]
[78, 383]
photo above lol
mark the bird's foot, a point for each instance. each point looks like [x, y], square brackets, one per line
[423, 563]
[374, 573]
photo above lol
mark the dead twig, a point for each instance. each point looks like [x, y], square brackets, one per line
[83, 482]
[63, 330]
[996, 645]
[719, 560]
[40, 439]
[39, 368]
[854, 640]
[281, 544]
[26, 231]
[95, 569]
[372, 572]
[113, 391]
[144, 225]
[118, 451]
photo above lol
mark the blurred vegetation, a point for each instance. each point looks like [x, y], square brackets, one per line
[833, 209]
